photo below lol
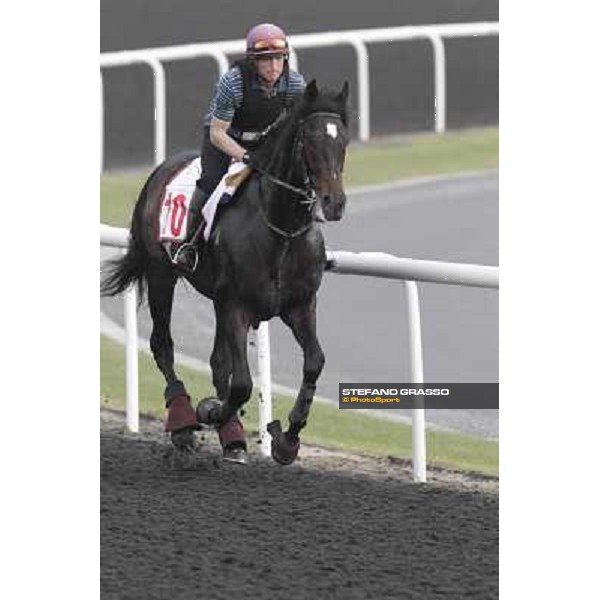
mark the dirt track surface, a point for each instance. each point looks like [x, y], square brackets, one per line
[330, 526]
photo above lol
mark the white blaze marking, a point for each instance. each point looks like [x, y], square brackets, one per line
[332, 130]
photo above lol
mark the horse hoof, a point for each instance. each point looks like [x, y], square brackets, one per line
[183, 439]
[207, 411]
[235, 455]
[284, 448]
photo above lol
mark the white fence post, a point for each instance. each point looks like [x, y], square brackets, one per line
[131, 361]
[222, 61]
[439, 62]
[265, 414]
[416, 375]
[160, 109]
[293, 59]
[364, 90]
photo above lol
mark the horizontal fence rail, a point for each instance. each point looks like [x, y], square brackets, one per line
[116, 237]
[380, 264]
[356, 38]
[373, 264]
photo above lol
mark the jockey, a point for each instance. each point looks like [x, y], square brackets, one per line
[248, 99]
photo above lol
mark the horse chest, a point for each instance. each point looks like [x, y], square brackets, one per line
[287, 277]
[292, 280]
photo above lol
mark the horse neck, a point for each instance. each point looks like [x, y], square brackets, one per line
[282, 206]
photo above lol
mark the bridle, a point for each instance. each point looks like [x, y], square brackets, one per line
[308, 192]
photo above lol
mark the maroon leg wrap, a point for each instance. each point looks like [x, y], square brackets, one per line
[180, 414]
[232, 432]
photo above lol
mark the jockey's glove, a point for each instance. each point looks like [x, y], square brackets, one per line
[248, 159]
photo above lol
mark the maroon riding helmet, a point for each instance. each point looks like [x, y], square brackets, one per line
[266, 39]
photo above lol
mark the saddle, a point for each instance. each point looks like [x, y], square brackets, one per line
[236, 175]
[175, 217]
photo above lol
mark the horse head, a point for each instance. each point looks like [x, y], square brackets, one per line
[324, 139]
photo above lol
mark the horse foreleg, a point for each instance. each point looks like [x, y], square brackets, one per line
[220, 363]
[181, 417]
[303, 323]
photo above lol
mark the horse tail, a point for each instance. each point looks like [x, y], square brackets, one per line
[131, 267]
[125, 270]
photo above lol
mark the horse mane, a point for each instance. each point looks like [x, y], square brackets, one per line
[282, 135]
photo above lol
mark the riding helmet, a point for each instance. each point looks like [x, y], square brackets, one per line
[266, 39]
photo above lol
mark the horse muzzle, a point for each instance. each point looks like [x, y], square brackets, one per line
[333, 205]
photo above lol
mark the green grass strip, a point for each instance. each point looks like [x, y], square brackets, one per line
[328, 427]
[371, 163]
[421, 155]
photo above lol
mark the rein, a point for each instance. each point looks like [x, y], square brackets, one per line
[286, 234]
[308, 193]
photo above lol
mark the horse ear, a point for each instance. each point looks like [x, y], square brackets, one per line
[343, 95]
[311, 91]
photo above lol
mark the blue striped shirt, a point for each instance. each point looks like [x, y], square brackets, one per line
[230, 93]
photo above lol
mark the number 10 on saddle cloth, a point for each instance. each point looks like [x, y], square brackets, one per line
[175, 205]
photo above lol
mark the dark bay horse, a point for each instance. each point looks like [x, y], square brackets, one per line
[265, 258]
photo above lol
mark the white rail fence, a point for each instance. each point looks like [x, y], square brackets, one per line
[374, 264]
[357, 38]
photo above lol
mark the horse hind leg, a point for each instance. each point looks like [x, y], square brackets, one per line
[232, 379]
[209, 410]
[302, 322]
[181, 417]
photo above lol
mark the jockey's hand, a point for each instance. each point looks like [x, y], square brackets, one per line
[248, 159]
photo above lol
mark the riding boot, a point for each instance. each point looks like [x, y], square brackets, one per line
[186, 256]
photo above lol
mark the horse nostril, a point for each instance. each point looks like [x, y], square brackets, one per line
[326, 199]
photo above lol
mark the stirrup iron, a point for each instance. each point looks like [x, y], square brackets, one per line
[183, 246]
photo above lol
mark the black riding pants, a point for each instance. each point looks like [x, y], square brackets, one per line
[214, 165]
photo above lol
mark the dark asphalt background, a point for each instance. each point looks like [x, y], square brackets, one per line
[401, 72]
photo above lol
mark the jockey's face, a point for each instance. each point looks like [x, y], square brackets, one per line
[270, 68]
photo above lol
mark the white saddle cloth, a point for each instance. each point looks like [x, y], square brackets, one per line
[223, 193]
[175, 206]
